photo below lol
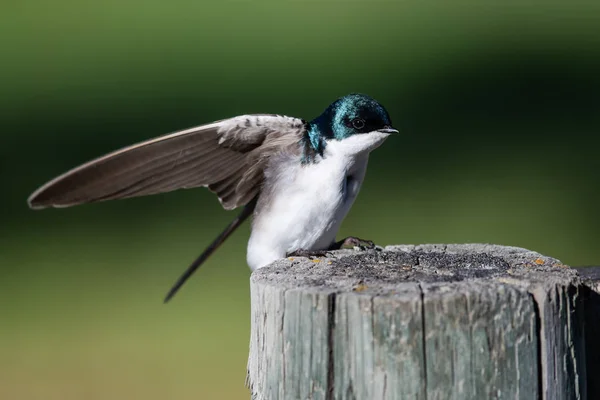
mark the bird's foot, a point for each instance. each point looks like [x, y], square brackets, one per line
[352, 242]
[308, 253]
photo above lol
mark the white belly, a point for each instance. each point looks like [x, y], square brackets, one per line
[307, 211]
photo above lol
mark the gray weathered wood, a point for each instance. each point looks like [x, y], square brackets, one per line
[591, 298]
[419, 322]
[590, 275]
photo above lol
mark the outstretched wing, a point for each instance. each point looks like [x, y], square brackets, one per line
[228, 156]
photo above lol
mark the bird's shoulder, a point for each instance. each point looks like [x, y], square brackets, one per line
[259, 139]
[245, 133]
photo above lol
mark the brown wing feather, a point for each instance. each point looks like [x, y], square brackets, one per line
[226, 156]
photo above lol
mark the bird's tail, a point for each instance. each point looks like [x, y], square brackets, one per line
[246, 212]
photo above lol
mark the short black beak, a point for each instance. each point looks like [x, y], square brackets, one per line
[388, 129]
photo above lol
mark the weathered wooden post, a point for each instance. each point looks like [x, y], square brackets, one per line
[420, 322]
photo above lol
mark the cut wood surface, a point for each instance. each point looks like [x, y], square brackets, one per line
[422, 322]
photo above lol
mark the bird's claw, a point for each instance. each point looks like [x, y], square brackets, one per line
[308, 253]
[352, 242]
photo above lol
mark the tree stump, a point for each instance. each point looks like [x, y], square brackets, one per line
[419, 322]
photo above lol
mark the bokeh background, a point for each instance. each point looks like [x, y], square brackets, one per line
[498, 104]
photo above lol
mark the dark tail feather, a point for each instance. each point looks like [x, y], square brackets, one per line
[246, 212]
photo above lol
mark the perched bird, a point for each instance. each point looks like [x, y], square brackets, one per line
[298, 179]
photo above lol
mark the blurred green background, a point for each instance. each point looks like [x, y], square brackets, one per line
[498, 105]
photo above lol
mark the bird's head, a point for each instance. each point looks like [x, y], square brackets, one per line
[356, 119]
[352, 115]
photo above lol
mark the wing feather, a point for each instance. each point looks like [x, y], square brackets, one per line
[228, 156]
[185, 176]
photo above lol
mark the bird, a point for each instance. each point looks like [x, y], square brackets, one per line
[297, 179]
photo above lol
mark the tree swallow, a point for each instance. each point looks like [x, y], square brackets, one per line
[298, 179]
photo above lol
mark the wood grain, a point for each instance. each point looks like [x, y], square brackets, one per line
[421, 322]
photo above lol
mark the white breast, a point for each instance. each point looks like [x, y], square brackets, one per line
[307, 203]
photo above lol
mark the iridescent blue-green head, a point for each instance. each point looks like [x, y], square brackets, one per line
[347, 117]
[351, 115]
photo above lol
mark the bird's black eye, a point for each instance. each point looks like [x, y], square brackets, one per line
[358, 123]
